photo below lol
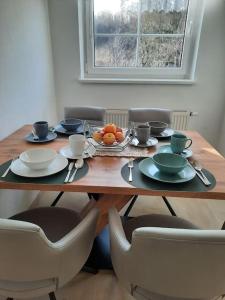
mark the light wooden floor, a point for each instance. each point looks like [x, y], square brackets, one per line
[104, 286]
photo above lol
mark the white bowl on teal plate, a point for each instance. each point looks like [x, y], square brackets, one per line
[38, 158]
[169, 163]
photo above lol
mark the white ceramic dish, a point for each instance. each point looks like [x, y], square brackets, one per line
[57, 165]
[37, 158]
[150, 143]
[88, 152]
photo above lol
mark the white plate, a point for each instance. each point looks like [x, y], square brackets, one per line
[66, 152]
[150, 143]
[58, 164]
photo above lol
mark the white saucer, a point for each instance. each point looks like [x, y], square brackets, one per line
[58, 164]
[88, 152]
[150, 143]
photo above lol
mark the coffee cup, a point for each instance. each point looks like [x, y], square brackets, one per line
[77, 144]
[179, 142]
[41, 129]
[142, 133]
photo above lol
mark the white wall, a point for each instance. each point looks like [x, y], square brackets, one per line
[206, 96]
[26, 77]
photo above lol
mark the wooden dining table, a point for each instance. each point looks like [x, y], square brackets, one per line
[104, 174]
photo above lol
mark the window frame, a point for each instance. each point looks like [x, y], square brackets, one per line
[183, 75]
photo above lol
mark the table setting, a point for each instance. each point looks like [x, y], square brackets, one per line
[48, 165]
[169, 169]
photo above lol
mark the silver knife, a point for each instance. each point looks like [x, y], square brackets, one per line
[9, 168]
[71, 165]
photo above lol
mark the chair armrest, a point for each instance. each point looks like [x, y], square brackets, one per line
[75, 247]
[116, 230]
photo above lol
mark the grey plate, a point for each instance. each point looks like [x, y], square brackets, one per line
[165, 134]
[147, 167]
[150, 143]
[50, 137]
[167, 149]
[62, 130]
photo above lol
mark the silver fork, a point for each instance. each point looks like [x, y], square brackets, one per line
[79, 164]
[69, 171]
[130, 166]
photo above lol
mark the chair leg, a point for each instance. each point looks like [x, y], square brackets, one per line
[57, 199]
[130, 206]
[52, 296]
[169, 206]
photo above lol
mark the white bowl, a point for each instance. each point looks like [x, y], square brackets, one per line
[38, 158]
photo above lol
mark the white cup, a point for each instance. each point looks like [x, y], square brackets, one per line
[77, 144]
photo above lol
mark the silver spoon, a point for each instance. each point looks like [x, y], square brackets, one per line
[79, 164]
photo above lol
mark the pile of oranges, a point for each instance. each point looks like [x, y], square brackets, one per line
[109, 135]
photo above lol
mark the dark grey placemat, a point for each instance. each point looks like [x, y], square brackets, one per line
[57, 178]
[144, 182]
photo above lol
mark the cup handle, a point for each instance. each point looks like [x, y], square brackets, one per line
[190, 140]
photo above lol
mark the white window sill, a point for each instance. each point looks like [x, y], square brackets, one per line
[136, 81]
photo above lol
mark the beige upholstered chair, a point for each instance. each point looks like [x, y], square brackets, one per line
[42, 249]
[168, 260]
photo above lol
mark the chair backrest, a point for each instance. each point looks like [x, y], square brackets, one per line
[141, 115]
[171, 263]
[89, 113]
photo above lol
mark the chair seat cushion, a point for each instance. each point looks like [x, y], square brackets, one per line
[154, 220]
[56, 222]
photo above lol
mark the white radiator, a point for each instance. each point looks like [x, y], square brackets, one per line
[117, 116]
[180, 119]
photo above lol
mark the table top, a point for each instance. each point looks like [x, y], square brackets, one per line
[104, 175]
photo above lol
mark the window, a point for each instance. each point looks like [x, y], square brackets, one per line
[139, 40]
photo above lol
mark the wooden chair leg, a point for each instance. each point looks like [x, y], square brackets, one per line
[52, 296]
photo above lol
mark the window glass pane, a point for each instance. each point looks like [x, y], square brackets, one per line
[115, 16]
[115, 51]
[160, 52]
[163, 16]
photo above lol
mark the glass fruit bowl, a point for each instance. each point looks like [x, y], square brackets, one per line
[109, 135]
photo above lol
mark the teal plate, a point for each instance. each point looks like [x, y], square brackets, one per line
[147, 167]
[167, 149]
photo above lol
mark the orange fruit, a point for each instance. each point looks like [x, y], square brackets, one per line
[110, 128]
[118, 129]
[119, 136]
[109, 138]
[97, 136]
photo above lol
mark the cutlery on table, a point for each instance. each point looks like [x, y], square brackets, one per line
[9, 168]
[35, 137]
[78, 165]
[71, 165]
[198, 169]
[130, 166]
